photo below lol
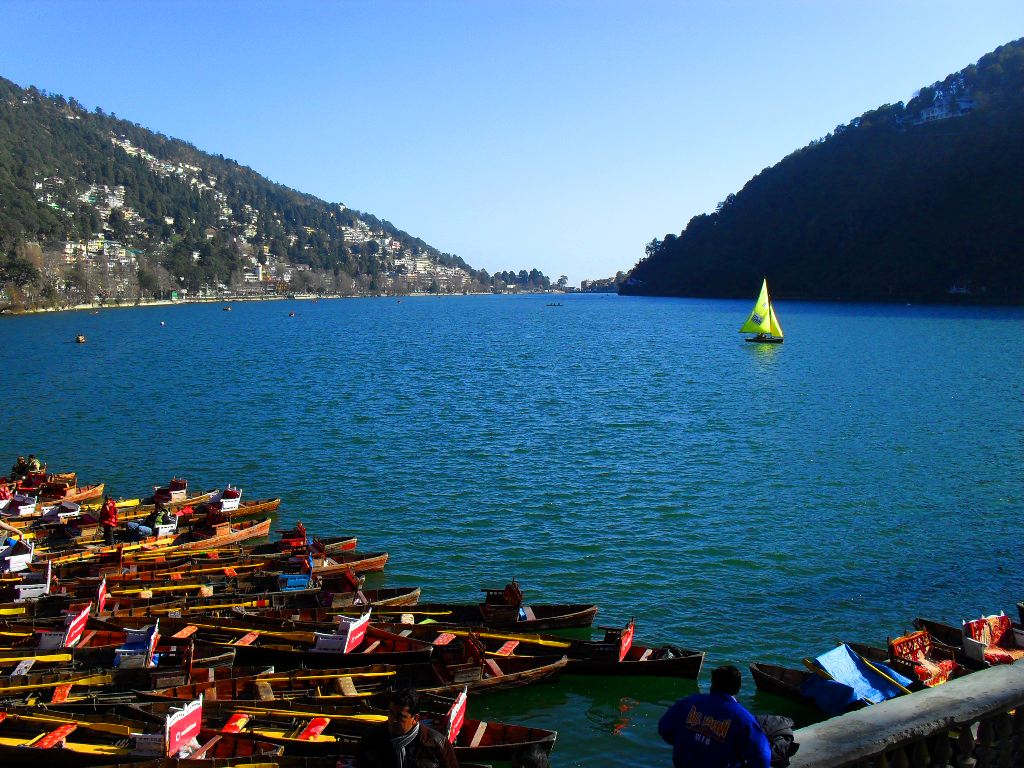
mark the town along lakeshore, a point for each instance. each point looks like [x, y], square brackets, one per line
[757, 503]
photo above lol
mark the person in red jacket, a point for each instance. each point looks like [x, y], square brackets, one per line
[108, 519]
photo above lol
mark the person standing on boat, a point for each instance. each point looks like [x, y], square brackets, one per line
[713, 730]
[405, 742]
[108, 519]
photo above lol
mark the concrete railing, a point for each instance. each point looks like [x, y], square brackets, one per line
[966, 723]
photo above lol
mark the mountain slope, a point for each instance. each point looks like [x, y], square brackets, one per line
[94, 205]
[920, 202]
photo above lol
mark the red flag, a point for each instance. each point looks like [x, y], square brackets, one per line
[626, 640]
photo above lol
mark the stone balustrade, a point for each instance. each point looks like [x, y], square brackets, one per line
[969, 722]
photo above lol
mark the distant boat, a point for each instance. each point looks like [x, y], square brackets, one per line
[227, 308]
[763, 320]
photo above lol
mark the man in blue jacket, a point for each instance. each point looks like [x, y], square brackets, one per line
[713, 730]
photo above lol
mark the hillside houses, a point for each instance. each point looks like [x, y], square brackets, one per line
[944, 108]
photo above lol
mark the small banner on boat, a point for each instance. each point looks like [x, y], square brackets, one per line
[76, 627]
[356, 633]
[456, 716]
[101, 596]
[626, 640]
[183, 726]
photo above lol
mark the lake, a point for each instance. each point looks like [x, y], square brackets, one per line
[758, 502]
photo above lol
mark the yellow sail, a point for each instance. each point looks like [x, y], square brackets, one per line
[759, 320]
[774, 321]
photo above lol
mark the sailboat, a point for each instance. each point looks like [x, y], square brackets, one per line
[763, 320]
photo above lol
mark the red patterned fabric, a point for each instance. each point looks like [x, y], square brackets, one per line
[917, 648]
[933, 673]
[996, 632]
[999, 656]
[912, 646]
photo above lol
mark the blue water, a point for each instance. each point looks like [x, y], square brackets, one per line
[759, 502]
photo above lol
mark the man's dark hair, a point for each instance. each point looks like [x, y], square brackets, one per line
[726, 679]
[406, 697]
[530, 756]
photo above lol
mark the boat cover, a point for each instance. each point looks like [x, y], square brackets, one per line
[847, 667]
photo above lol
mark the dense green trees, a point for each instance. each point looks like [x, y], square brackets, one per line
[884, 208]
[197, 217]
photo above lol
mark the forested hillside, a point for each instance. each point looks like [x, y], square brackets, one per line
[921, 201]
[93, 205]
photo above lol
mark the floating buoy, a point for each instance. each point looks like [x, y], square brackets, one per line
[291, 314]
[161, 322]
[80, 338]
[227, 308]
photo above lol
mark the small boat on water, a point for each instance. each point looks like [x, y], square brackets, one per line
[763, 320]
[501, 609]
[614, 656]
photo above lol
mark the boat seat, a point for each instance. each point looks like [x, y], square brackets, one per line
[992, 639]
[918, 650]
[347, 686]
[371, 647]
[507, 648]
[60, 693]
[235, 724]
[478, 735]
[54, 738]
[646, 654]
[492, 667]
[313, 729]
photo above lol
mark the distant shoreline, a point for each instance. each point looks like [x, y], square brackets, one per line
[10, 312]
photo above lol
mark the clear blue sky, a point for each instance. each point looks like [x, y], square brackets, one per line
[558, 135]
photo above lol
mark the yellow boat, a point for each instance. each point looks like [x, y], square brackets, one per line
[762, 320]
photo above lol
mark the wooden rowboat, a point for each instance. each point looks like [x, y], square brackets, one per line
[330, 686]
[536, 617]
[40, 738]
[784, 681]
[501, 609]
[617, 655]
[288, 649]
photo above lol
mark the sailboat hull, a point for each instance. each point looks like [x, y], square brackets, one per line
[766, 340]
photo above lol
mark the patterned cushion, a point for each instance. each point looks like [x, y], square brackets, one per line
[994, 631]
[1003, 655]
[912, 647]
[933, 673]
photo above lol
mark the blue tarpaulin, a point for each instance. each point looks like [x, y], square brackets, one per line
[845, 666]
